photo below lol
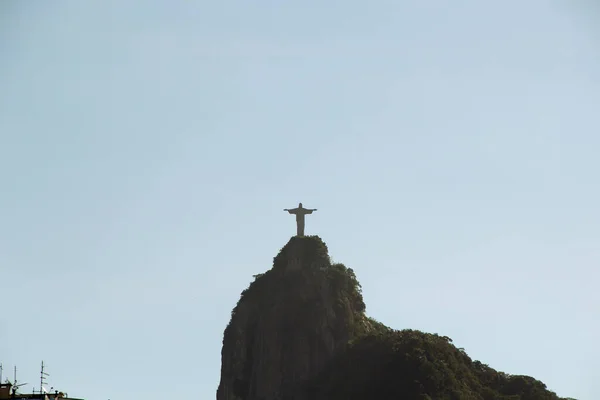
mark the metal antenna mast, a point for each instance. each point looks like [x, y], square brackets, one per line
[14, 384]
[43, 376]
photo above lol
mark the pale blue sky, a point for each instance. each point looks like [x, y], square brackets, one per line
[147, 149]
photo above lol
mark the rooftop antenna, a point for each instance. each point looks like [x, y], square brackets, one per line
[43, 376]
[16, 386]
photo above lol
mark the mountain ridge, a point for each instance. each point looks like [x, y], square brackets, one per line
[300, 332]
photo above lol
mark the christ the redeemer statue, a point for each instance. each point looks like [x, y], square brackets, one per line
[300, 213]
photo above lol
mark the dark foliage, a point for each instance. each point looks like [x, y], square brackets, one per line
[311, 249]
[409, 364]
[292, 288]
[379, 363]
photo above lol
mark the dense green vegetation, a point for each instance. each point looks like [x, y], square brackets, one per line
[311, 249]
[299, 290]
[379, 363]
[414, 365]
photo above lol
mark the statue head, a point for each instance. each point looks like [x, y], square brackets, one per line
[300, 205]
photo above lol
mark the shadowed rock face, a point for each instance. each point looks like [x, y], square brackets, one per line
[299, 332]
[288, 324]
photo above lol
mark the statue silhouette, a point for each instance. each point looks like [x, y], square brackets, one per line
[300, 213]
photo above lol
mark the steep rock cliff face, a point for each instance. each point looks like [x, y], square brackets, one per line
[299, 332]
[289, 323]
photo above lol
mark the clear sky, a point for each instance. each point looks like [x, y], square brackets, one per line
[148, 149]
